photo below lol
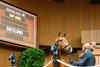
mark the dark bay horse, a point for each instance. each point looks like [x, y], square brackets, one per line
[61, 43]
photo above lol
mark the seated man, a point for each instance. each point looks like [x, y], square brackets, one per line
[87, 58]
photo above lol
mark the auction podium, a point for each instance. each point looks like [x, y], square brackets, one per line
[97, 55]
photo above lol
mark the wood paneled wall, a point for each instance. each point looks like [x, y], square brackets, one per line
[5, 53]
[90, 36]
[70, 17]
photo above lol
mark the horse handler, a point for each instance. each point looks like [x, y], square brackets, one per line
[87, 58]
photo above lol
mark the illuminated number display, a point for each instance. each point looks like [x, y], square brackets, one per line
[17, 26]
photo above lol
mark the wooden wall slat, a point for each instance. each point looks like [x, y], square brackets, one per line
[90, 35]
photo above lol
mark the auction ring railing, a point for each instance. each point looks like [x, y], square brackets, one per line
[59, 62]
[48, 63]
[68, 65]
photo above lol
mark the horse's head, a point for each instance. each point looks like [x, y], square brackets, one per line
[62, 43]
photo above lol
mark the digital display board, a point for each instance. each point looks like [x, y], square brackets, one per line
[17, 26]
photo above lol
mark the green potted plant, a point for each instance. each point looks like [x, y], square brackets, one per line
[32, 57]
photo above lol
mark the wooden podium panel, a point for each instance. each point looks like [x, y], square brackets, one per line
[97, 55]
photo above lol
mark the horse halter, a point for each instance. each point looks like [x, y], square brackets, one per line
[63, 43]
[66, 48]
